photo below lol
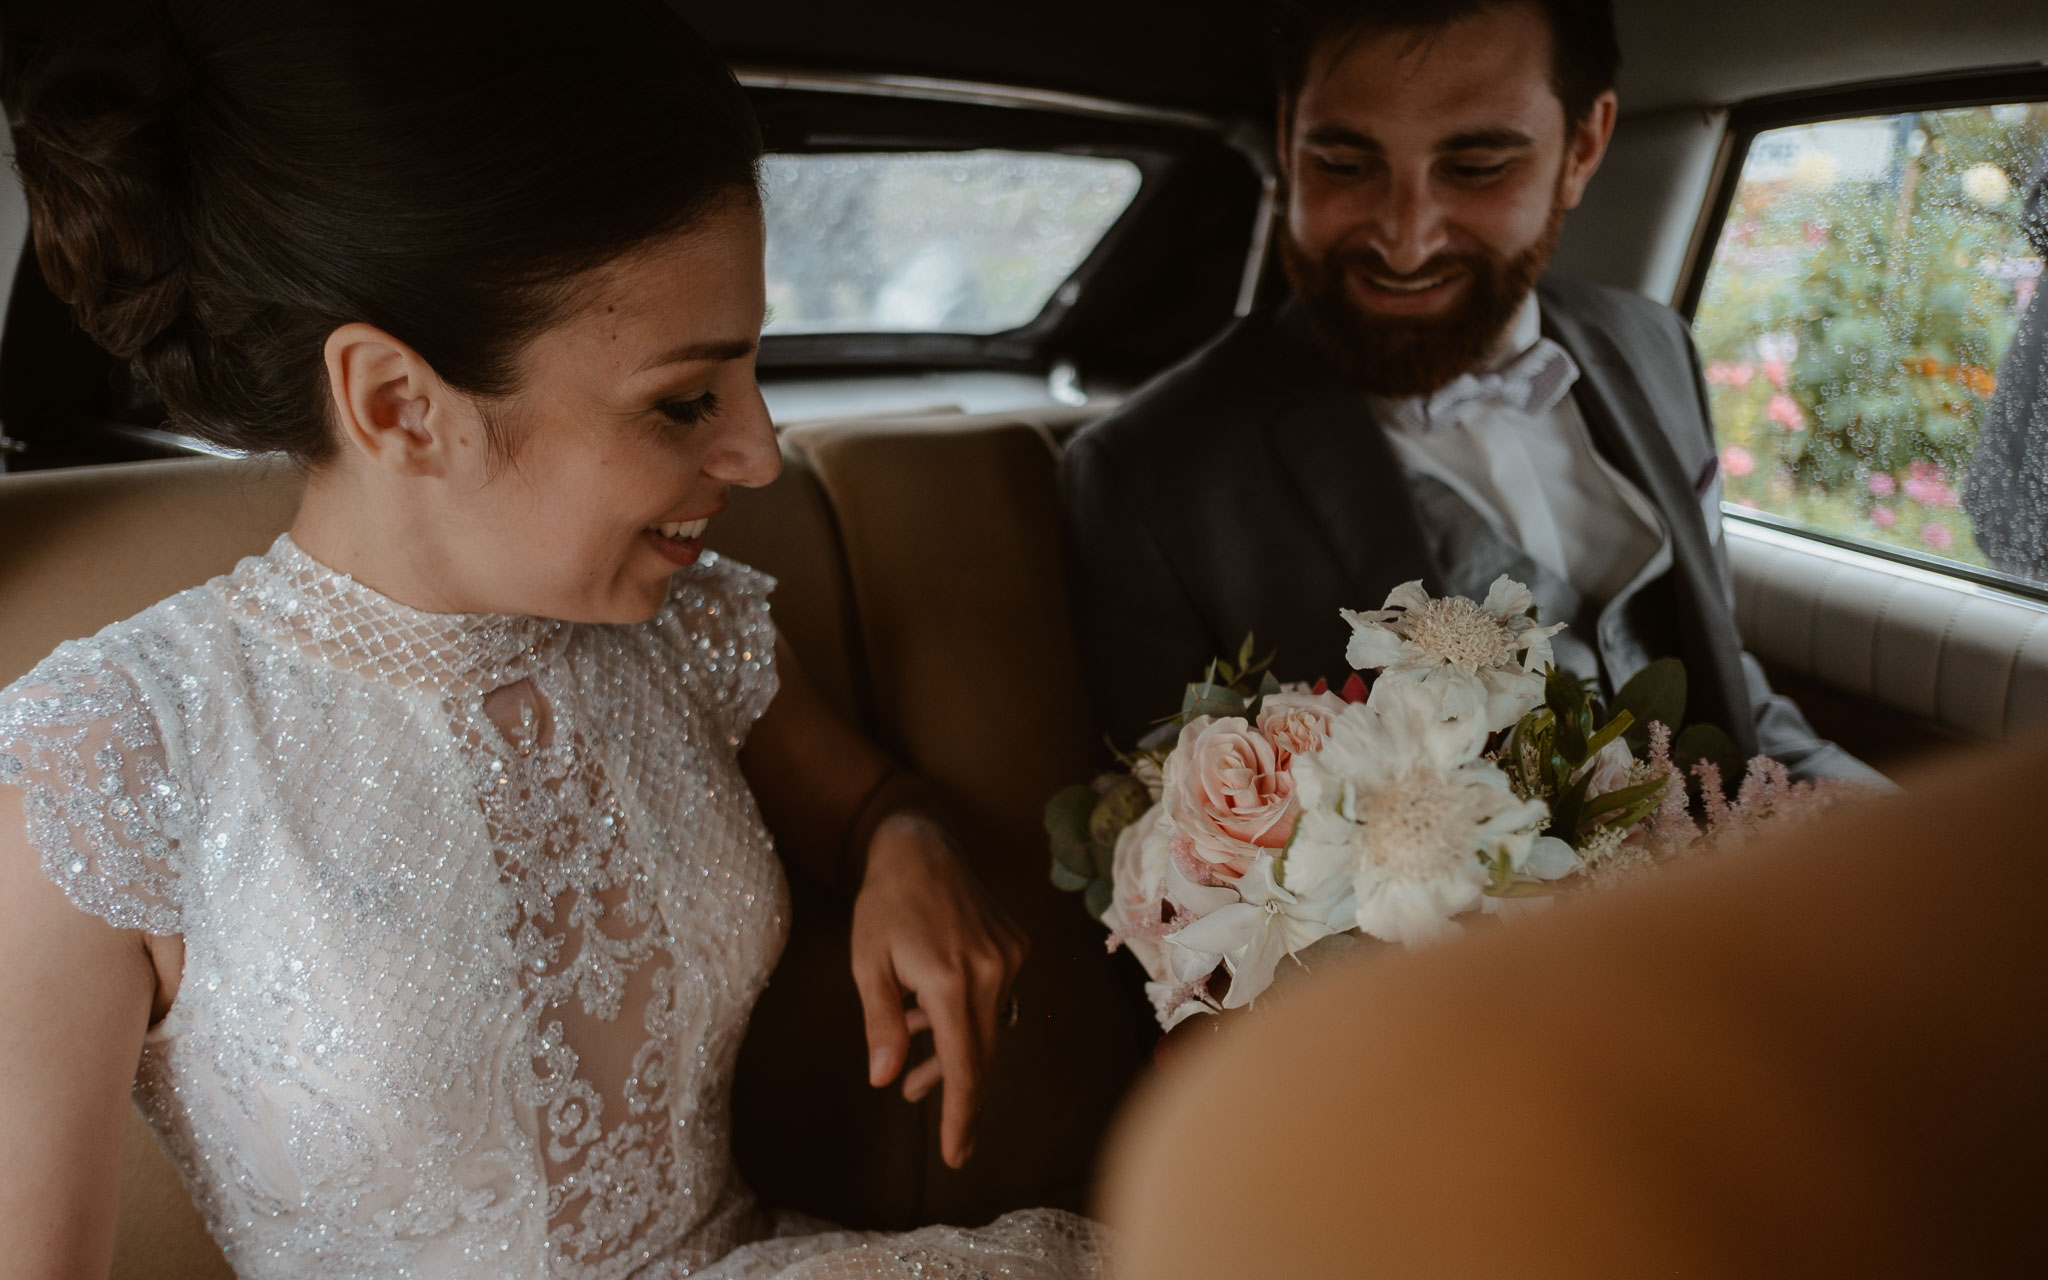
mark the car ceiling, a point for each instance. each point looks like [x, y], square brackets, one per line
[1209, 54]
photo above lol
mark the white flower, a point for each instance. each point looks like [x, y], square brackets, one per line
[1401, 803]
[1481, 661]
[1987, 185]
[1254, 935]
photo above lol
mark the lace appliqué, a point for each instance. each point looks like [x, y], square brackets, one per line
[100, 804]
[595, 961]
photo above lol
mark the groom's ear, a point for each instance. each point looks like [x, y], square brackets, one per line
[1584, 147]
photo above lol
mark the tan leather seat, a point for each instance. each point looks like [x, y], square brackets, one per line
[919, 583]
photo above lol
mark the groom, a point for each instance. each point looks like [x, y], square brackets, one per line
[1428, 405]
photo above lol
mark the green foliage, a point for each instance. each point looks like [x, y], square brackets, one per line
[1895, 294]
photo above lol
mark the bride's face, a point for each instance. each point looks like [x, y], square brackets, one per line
[634, 417]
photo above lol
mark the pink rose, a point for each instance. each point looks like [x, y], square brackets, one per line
[1883, 517]
[1938, 536]
[1777, 372]
[1297, 723]
[1610, 769]
[1228, 794]
[1138, 915]
[1738, 461]
[1882, 485]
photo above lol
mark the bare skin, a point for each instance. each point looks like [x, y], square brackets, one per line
[1421, 148]
[636, 410]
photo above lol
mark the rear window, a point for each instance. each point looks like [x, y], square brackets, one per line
[1873, 332]
[968, 242]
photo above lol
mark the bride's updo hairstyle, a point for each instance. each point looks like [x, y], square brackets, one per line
[216, 185]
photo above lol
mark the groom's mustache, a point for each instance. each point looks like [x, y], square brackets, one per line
[1371, 262]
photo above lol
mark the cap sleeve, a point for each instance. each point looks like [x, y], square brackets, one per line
[78, 739]
[727, 641]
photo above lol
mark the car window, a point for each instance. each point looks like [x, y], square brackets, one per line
[973, 242]
[1871, 328]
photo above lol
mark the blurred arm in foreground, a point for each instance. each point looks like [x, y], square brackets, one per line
[1824, 1055]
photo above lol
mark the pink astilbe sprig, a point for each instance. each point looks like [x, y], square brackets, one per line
[1768, 798]
[1670, 831]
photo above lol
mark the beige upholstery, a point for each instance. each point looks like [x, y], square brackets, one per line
[1963, 657]
[951, 531]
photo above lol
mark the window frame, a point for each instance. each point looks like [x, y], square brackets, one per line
[965, 116]
[1994, 86]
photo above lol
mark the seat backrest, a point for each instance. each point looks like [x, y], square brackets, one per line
[951, 534]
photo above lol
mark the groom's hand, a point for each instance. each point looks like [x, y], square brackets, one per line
[923, 929]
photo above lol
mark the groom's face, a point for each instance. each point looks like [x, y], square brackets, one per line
[1428, 173]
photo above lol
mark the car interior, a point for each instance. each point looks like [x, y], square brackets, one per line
[986, 227]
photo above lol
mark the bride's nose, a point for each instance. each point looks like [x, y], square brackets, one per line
[747, 452]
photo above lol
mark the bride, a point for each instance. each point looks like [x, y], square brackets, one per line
[413, 875]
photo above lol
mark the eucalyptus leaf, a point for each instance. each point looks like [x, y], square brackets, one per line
[1102, 857]
[1123, 803]
[1067, 813]
[1656, 694]
[1067, 882]
[1097, 898]
[1210, 699]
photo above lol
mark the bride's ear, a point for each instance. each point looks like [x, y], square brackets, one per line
[389, 406]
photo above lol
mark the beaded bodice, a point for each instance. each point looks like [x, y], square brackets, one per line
[474, 910]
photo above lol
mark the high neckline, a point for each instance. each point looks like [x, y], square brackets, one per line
[332, 616]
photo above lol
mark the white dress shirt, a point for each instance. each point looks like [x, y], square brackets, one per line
[1535, 477]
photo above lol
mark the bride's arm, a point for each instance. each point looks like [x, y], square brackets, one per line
[921, 926]
[75, 999]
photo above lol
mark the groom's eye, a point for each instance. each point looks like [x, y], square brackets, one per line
[1477, 174]
[1338, 168]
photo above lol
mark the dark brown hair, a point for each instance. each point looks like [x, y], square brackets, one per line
[216, 185]
[1585, 55]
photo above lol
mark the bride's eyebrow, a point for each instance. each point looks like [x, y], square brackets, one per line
[692, 353]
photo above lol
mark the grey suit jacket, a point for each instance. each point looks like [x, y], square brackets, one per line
[1250, 490]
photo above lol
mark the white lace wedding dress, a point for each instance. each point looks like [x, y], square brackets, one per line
[474, 911]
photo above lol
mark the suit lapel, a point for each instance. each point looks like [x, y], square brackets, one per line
[1332, 451]
[1625, 427]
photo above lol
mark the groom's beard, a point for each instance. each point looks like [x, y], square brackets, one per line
[1415, 355]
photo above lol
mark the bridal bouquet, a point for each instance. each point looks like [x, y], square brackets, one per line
[1269, 823]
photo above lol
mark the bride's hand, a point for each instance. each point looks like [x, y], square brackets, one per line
[923, 928]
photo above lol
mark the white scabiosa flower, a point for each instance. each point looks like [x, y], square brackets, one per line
[1481, 661]
[1401, 803]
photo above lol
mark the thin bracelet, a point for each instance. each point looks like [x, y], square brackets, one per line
[897, 791]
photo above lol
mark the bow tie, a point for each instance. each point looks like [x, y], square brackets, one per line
[1533, 383]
